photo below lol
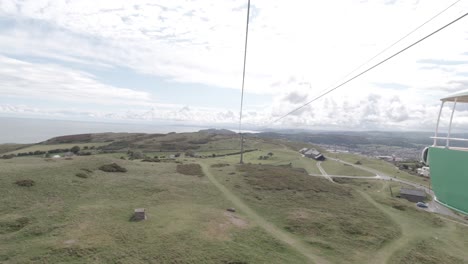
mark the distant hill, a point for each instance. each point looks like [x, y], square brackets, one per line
[218, 139]
[351, 138]
[218, 131]
[96, 137]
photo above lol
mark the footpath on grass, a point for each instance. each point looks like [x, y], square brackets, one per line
[273, 230]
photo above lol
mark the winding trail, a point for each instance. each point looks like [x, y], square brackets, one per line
[384, 254]
[324, 173]
[434, 205]
[267, 226]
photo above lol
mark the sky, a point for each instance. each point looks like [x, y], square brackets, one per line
[181, 61]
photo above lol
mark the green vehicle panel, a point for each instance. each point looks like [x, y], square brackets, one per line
[449, 177]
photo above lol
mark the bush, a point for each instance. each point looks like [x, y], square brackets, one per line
[113, 167]
[25, 183]
[219, 165]
[136, 155]
[190, 169]
[13, 226]
[10, 156]
[75, 149]
[82, 175]
[151, 160]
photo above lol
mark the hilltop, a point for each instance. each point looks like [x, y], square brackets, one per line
[78, 209]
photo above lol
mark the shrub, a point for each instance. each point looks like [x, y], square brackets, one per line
[136, 155]
[10, 156]
[151, 160]
[13, 226]
[82, 175]
[190, 169]
[25, 183]
[113, 167]
[75, 149]
[219, 165]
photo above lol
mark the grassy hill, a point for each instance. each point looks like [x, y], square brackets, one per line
[73, 212]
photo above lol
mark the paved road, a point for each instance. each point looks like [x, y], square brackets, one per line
[267, 226]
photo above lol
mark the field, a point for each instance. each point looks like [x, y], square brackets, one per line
[336, 168]
[64, 218]
[76, 213]
[382, 166]
[6, 148]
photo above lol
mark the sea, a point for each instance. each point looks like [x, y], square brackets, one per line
[31, 130]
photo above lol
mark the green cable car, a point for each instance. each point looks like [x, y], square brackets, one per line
[449, 164]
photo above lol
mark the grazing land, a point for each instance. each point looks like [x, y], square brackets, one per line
[76, 212]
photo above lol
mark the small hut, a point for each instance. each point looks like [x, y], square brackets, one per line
[139, 214]
[413, 195]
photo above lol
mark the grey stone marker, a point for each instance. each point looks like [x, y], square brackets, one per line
[139, 214]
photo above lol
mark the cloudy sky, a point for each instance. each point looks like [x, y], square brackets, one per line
[177, 60]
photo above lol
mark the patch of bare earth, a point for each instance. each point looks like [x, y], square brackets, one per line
[236, 220]
[220, 228]
[299, 215]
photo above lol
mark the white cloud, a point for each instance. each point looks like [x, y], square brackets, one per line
[19, 79]
[296, 49]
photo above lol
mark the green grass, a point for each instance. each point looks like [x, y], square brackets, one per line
[6, 148]
[425, 251]
[384, 167]
[67, 219]
[427, 238]
[356, 220]
[337, 168]
[335, 221]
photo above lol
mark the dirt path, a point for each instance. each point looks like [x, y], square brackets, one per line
[268, 227]
[384, 254]
[324, 173]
